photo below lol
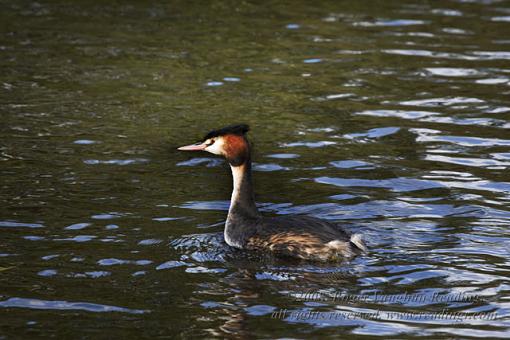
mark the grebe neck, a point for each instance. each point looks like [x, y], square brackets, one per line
[242, 203]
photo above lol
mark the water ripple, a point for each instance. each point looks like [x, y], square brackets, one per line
[397, 113]
[401, 184]
[209, 162]
[374, 133]
[116, 161]
[12, 224]
[446, 101]
[390, 23]
[453, 72]
[16, 302]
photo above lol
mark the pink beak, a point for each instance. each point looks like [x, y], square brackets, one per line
[193, 147]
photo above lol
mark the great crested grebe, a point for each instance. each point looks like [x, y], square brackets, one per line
[298, 236]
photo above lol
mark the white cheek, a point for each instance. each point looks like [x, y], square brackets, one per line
[216, 148]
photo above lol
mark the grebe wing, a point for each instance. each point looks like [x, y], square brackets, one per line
[303, 237]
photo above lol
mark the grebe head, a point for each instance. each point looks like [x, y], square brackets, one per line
[229, 142]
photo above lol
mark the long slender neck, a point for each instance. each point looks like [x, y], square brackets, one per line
[242, 203]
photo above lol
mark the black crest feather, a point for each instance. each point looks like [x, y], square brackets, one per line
[238, 129]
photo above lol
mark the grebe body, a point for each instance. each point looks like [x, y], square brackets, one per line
[298, 236]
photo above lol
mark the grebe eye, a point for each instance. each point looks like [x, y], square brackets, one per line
[211, 142]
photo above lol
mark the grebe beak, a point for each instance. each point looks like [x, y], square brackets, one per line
[193, 147]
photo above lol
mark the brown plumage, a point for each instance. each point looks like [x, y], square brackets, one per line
[302, 237]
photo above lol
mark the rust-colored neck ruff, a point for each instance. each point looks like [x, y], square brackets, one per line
[237, 150]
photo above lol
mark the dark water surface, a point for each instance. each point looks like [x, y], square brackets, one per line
[390, 117]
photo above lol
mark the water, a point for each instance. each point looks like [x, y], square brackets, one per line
[390, 118]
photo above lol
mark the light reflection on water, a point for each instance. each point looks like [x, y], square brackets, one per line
[391, 120]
